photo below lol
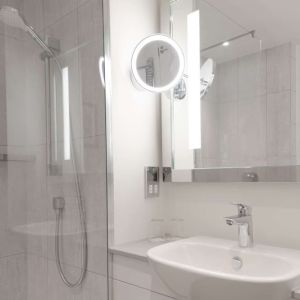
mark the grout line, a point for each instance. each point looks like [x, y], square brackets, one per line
[49, 259]
[15, 254]
[143, 288]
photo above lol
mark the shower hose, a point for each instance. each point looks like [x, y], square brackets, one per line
[59, 212]
[59, 205]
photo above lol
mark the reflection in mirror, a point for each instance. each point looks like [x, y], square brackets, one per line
[157, 63]
[231, 64]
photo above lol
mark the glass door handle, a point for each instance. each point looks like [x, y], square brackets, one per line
[102, 70]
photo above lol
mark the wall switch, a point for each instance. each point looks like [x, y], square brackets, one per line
[151, 182]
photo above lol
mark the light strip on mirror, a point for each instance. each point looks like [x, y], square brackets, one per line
[66, 113]
[194, 79]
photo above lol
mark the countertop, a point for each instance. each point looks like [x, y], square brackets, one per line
[138, 249]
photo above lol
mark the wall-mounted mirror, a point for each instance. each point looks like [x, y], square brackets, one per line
[157, 63]
[246, 118]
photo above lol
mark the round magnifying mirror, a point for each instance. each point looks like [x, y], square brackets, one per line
[157, 63]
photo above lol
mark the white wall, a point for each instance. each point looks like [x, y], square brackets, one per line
[276, 210]
[135, 122]
[200, 208]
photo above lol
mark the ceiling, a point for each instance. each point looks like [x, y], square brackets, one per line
[275, 22]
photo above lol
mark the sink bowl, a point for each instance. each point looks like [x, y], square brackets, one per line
[206, 268]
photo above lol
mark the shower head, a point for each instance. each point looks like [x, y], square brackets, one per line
[11, 17]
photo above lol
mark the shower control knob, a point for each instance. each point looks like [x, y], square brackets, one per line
[58, 203]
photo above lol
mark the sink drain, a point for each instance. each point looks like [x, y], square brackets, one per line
[237, 263]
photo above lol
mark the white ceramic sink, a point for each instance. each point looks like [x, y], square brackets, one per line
[204, 268]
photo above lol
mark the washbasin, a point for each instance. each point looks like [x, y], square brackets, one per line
[205, 268]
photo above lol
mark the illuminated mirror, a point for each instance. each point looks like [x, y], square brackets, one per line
[157, 63]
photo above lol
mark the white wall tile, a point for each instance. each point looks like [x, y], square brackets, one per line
[123, 291]
[13, 277]
[228, 133]
[279, 127]
[227, 76]
[65, 29]
[252, 76]
[91, 90]
[37, 268]
[55, 9]
[210, 130]
[252, 127]
[90, 25]
[279, 69]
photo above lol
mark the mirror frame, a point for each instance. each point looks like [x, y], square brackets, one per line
[138, 49]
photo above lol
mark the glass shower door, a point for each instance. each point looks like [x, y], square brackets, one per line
[53, 233]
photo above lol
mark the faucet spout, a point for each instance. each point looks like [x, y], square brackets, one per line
[245, 227]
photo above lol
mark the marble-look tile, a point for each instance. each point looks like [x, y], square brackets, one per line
[91, 90]
[94, 288]
[3, 130]
[14, 215]
[228, 116]
[37, 269]
[56, 289]
[90, 22]
[252, 129]
[212, 93]
[24, 93]
[227, 74]
[37, 206]
[252, 75]
[33, 11]
[65, 30]
[13, 277]
[13, 3]
[91, 154]
[15, 72]
[123, 291]
[279, 126]
[81, 2]
[55, 10]
[210, 129]
[94, 195]
[34, 95]
[278, 69]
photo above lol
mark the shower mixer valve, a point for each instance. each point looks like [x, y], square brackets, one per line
[58, 203]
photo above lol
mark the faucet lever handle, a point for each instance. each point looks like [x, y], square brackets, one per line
[243, 209]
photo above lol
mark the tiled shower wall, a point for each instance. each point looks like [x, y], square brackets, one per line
[249, 113]
[12, 174]
[27, 189]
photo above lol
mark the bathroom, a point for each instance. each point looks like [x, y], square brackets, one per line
[149, 150]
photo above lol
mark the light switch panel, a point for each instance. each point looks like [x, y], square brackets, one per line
[151, 182]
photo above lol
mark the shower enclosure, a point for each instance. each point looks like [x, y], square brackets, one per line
[53, 233]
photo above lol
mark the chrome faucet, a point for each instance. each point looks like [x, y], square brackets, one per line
[244, 222]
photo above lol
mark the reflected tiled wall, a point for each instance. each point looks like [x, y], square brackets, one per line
[248, 115]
